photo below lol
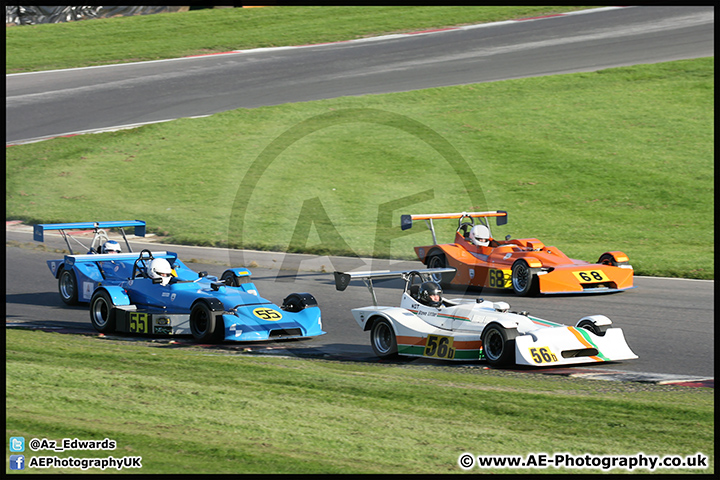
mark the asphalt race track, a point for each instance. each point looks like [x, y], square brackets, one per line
[61, 102]
[667, 322]
[672, 334]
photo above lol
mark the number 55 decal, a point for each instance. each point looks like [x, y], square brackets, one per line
[267, 314]
[139, 323]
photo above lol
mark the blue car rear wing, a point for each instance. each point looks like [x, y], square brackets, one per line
[40, 229]
[116, 257]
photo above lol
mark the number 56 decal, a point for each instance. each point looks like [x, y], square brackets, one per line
[439, 346]
[542, 355]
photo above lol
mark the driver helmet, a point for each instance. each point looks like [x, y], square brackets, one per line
[430, 294]
[480, 235]
[111, 246]
[160, 268]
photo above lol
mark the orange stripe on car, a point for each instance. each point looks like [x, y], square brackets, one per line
[584, 342]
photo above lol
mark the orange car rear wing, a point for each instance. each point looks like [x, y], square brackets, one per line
[406, 221]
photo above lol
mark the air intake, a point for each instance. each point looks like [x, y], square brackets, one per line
[583, 352]
[284, 333]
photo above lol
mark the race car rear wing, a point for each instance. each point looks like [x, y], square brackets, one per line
[98, 234]
[406, 221]
[116, 257]
[342, 280]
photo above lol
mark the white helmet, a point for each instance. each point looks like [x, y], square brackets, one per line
[480, 235]
[111, 246]
[160, 268]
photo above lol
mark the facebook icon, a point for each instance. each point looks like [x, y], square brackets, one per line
[17, 462]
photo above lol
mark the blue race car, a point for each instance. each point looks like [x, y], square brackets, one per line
[209, 309]
[126, 297]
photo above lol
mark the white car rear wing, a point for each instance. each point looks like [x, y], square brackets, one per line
[342, 280]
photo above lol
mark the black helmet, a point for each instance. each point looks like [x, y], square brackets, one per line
[426, 290]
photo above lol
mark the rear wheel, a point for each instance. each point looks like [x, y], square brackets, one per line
[382, 339]
[498, 348]
[67, 286]
[101, 312]
[438, 260]
[203, 323]
[524, 281]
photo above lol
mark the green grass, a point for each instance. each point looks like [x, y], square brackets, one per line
[170, 35]
[620, 159]
[191, 410]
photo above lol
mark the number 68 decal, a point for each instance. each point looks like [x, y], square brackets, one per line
[499, 278]
[542, 355]
[591, 276]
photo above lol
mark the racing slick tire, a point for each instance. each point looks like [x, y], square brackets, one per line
[588, 325]
[524, 281]
[438, 260]
[498, 345]
[101, 315]
[609, 259]
[296, 302]
[68, 287]
[382, 339]
[204, 324]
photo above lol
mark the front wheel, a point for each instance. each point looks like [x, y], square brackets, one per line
[524, 281]
[67, 286]
[382, 339]
[608, 259]
[203, 323]
[101, 312]
[498, 347]
[230, 279]
[590, 326]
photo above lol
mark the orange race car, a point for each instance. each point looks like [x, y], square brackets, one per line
[527, 266]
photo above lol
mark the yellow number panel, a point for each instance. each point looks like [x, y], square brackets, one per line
[542, 355]
[139, 323]
[267, 314]
[591, 276]
[439, 346]
[499, 278]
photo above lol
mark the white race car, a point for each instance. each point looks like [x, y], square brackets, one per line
[469, 330]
